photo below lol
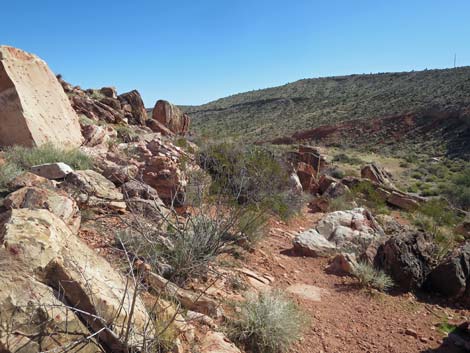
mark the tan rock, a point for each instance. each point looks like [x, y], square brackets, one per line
[216, 342]
[93, 189]
[37, 198]
[30, 179]
[34, 108]
[38, 246]
[190, 300]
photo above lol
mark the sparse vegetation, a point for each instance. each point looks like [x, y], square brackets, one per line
[250, 175]
[8, 172]
[24, 158]
[310, 103]
[268, 323]
[370, 277]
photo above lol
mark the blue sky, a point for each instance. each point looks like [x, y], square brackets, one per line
[191, 52]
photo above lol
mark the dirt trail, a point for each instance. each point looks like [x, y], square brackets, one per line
[349, 319]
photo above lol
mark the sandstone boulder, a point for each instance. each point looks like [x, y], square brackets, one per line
[138, 111]
[216, 342]
[37, 247]
[57, 202]
[92, 189]
[306, 175]
[30, 179]
[171, 117]
[377, 174]
[34, 109]
[349, 231]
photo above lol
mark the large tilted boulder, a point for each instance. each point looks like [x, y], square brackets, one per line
[34, 109]
[132, 99]
[171, 117]
[41, 260]
[408, 258]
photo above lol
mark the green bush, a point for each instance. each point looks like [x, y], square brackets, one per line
[344, 158]
[367, 196]
[24, 158]
[8, 172]
[370, 277]
[249, 175]
[268, 323]
[459, 189]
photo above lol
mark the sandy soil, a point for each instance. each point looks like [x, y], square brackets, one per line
[349, 319]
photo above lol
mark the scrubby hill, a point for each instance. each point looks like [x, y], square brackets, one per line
[309, 103]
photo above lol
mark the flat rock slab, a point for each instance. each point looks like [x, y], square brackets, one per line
[307, 291]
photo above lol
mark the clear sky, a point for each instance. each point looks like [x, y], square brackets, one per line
[191, 52]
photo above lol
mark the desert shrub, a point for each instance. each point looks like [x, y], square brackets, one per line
[24, 157]
[195, 247]
[459, 189]
[249, 175]
[125, 133]
[337, 173]
[367, 196]
[439, 211]
[267, 323]
[8, 172]
[344, 158]
[370, 277]
[438, 219]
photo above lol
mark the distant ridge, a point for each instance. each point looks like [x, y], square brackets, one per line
[309, 103]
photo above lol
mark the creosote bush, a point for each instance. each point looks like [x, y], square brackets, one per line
[370, 277]
[267, 323]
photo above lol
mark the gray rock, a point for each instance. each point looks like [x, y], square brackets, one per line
[312, 243]
[408, 258]
[450, 277]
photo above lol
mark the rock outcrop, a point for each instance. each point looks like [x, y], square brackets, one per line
[452, 276]
[171, 117]
[408, 258]
[45, 269]
[132, 103]
[347, 231]
[34, 109]
[377, 174]
[91, 189]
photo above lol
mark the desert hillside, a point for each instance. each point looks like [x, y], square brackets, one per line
[128, 232]
[309, 103]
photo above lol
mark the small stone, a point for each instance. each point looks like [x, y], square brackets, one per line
[411, 332]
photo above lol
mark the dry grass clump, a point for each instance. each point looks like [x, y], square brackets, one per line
[370, 277]
[267, 323]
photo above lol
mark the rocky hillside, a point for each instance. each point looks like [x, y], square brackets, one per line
[119, 235]
[309, 103]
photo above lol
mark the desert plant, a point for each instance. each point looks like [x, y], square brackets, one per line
[8, 171]
[24, 157]
[370, 277]
[267, 323]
